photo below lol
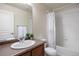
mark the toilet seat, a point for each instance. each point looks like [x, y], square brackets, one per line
[50, 51]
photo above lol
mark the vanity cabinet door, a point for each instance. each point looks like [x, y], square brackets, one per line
[27, 54]
[38, 51]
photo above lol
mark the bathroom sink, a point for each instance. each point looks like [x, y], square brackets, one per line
[21, 45]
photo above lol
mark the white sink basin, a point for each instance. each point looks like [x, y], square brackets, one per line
[25, 44]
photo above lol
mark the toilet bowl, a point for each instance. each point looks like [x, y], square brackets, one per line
[50, 51]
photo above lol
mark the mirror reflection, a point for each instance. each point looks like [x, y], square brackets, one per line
[15, 21]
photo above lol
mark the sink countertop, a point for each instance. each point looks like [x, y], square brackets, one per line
[6, 50]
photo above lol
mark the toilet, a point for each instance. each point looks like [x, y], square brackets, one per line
[49, 51]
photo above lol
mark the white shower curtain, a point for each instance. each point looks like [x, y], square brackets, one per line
[51, 29]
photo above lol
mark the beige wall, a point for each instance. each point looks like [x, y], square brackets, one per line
[67, 27]
[20, 16]
[39, 20]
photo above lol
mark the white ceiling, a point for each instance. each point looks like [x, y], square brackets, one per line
[21, 6]
[55, 5]
[28, 7]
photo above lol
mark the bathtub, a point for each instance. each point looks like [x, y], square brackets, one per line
[62, 51]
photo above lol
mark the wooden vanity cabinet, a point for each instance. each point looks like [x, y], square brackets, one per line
[26, 54]
[37, 51]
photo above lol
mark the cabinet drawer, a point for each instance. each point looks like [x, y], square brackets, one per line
[38, 51]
